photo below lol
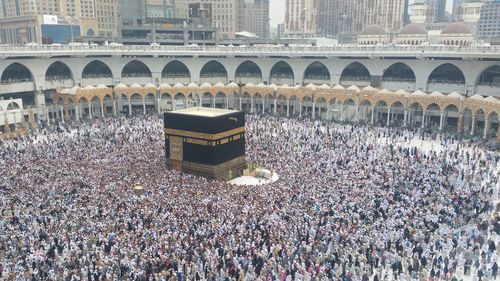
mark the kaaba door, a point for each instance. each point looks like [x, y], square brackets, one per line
[177, 165]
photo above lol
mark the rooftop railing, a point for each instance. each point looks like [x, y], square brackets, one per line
[267, 50]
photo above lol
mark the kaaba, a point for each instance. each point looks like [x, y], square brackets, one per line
[205, 141]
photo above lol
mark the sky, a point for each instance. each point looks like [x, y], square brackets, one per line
[277, 12]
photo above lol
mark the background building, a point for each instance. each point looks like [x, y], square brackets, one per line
[470, 15]
[145, 21]
[437, 11]
[300, 18]
[160, 8]
[489, 22]
[345, 19]
[328, 18]
[57, 21]
[253, 16]
[455, 13]
[428, 11]
[224, 14]
[107, 19]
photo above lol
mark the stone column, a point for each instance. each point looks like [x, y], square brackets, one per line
[357, 113]
[341, 113]
[327, 111]
[373, 115]
[314, 110]
[102, 108]
[388, 115]
[115, 105]
[158, 101]
[90, 110]
[460, 125]
[227, 102]
[275, 106]
[40, 104]
[441, 121]
[130, 106]
[287, 107]
[240, 101]
[423, 119]
[144, 105]
[300, 109]
[15, 121]
[77, 112]
[264, 105]
[252, 104]
[486, 127]
[62, 114]
[473, 125]
[405, 120]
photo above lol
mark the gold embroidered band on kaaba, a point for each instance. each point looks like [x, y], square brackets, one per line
[209, 143]
[204, 136]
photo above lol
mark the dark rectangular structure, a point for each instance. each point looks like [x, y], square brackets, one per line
[205, 141]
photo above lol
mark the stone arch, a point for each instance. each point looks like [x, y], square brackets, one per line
[248, 72]
[90, 32]
[246, 102]
[58, 71]
[206, 100]
[348, 110]
[492, 119]
[176, 72]
[321, 107]
[399, 72]
[84, 105]
[282, 73]
[490, 75]
[166, 102]
[294, 103]
[433, 114]
[365, 110]
[281, 104]
[180, 101]
[13, 106]
[220, 100]
[97, 69]
[433, 106]
[480, 118]
[415, 113]
[488, 81]
[446, 78]
[451, 115]
[16, 72]
[317, 73]
[136, 101]
[122, 102]
[150, 103]
[136, 68]
[233, 100]
[193, 100]
[108, 104]
[397, 113]
[355, 73]
[95, 103]
[335, 106]
[213, 72]
[269, 102]
[307, 105]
